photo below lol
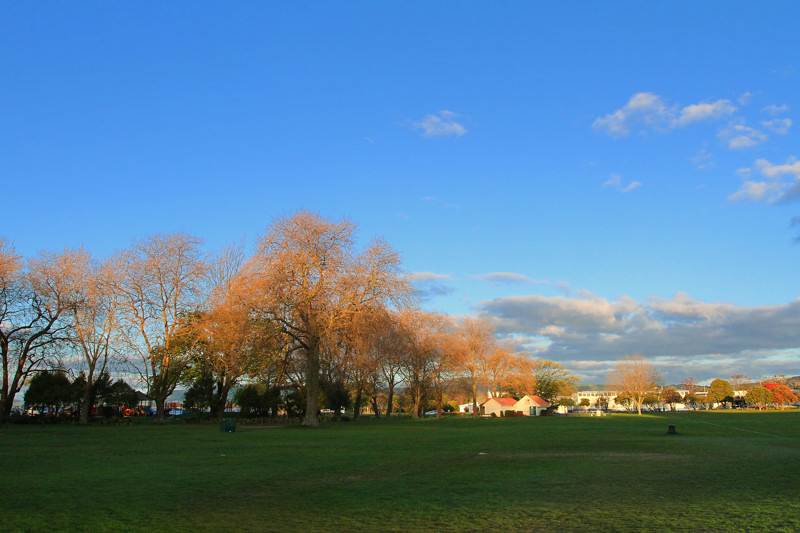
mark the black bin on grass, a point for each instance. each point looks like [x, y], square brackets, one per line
[228, 425]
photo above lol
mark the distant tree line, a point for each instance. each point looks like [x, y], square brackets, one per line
[51, 392]
[308, 321]
[637, 382]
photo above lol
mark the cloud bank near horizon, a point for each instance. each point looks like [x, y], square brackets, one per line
[682, 336]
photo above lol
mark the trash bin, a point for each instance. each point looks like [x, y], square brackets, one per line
[228, 425]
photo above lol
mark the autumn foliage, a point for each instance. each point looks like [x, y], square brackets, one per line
[311, 319]
[781, 394]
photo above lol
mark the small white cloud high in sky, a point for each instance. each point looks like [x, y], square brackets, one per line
[441, 124]
[596, 182]
[650, 111]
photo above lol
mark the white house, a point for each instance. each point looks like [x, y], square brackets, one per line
[531, 405]
[527, 405]
[495, 406]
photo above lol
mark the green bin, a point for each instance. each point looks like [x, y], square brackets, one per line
[228, 425]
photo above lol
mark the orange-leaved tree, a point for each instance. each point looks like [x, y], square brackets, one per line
[475, 343]
[313, 281]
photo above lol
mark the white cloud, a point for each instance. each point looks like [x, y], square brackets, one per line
[687, 336]
[791, 167]
[553, 331]
[745, 98]
[646, 109]
[781, 126]
[758, 191]
[442, 124]
[650, 111]
[615, 181]
[435, 200]
[705, 111]
[415, 277]
[565, 287]
[739, 136]
[631, 186]
[507, 278]
[682, 307]
[776, 109]
[702, 159]
[584, 314]
[780, 183]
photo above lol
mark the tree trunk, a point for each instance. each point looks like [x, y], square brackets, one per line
[222, 401]
[357, 405]
[86, 399]
[5, 409]
[160, 409]
[86, 406]
[6, 394]
[390, 401]
[374, 401]
[474, 397]
[312, 385]
[9, 392]
[416, 403]
[274, 405]
[5, 403]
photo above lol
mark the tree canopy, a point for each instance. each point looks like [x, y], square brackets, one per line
[720, 391]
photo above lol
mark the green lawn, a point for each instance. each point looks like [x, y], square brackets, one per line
[723, 471]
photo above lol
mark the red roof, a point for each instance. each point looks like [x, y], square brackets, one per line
[539, 401]
[502, 401]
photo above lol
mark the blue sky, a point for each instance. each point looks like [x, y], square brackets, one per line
[598, 179]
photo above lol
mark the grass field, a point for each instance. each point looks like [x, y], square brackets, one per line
[723, 471]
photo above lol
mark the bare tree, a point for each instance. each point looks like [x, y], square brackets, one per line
[159, 289]
[738, 381]
[32, 304]
[313, 282]
[94, 321]
[635, 377]
[10, 301]
[690, 384]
